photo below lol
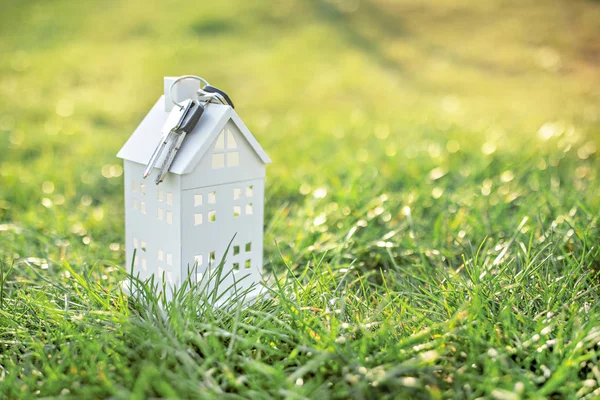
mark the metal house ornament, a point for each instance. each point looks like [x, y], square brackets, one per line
[205, 186]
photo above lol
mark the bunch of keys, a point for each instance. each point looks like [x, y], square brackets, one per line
[181, 121]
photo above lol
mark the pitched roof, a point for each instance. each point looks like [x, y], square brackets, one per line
[141, 144]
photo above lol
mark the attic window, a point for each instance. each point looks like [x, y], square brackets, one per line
[226, 154]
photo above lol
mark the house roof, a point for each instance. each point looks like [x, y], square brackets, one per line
[141, 144]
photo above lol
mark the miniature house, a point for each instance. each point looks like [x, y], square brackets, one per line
[213, 193]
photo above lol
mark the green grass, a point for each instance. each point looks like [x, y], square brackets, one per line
[431, 217]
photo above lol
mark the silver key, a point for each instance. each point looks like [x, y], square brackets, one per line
[194, 111]
[174, 121]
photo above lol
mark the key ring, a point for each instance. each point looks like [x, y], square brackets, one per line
[180, 79]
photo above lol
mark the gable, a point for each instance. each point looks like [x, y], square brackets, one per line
[230, 158]
[140, 146]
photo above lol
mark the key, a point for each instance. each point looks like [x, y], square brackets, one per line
[221, 95]
[174, 121]
[187, 123]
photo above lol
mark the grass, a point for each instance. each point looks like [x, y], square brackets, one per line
[432, 209]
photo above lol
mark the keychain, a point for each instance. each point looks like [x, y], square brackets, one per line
[181, 121]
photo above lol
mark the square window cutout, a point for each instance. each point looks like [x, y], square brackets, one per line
[143, 246]
[143, 207]
[143, 188]
[249, 191]
[237, 193]
[198, 219]
[144, 264]
[170, 198]
[135, 243]
[213, 256]
[212, 216]
[218, 160]
[237, 211]
[236, 267]
[161, 195]
[160, 215]
[135, 204]
[161, 255]
[198, 260]
[169, 217]
[233, 159]
[197, 200]
[169, 259]
[248, 264]
[212, 197]
[134, 186]
[248, 247]
[236, 250]
[249, 209]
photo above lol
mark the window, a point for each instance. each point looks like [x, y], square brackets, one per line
[169, 259]
[212, 197]
[170, 198]
[160, 215]
[248, 247]
[198, 277]
[135, 204]
[134, 186]
[143, 246]
[212, 216]
[143, 207]
[237, 193]
[161, 272]
[144, 264]
[135, 243]
[169, 217]
[198, 260]
[197, 200]
[225, 150]
[236, 267]
[161, 195]
[249, 191]
[249, 209]
[233, 159]
[198, 219]
[212, 257]
[236, 250]
[237, 210]
[248, 264]
[143, 188]
[218, 160]
[161, 255]
[231, 144]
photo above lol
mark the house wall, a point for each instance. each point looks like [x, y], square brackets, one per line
[153, 224]
[250, 166]
[213, 217]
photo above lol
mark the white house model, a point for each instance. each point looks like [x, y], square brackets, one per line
[213, 193]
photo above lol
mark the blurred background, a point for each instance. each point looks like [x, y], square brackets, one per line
[453, 111]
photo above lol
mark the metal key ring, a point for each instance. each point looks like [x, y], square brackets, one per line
[180, 79]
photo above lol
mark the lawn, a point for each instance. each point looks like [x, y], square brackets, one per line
[432, 211]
